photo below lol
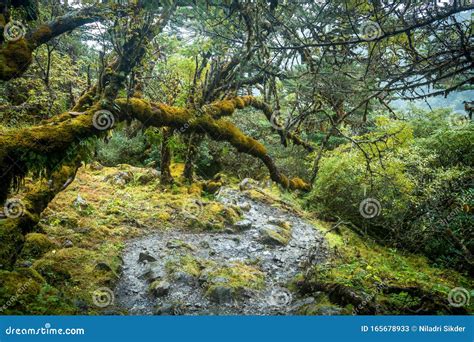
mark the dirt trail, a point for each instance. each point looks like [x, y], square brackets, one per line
[147, 259]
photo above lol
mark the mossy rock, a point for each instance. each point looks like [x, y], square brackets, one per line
[187, 264]
[275, 236]
[224, 281]
[179, 244]
[54, 273]
[36, 245]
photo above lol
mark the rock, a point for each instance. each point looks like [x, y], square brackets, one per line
[279, 222]
[229, 231]
[245, 206]
[327, 310]
[204, 244]
[68, 244]
[178, 244]
[167, 309]
[80, 202]
[120, 178]
[153, 274]
[160, 288]
[272, 237]
[145, 257]
[102, 266]
[96, 166]
[183, 278]
[247, 184]
[243, 225]
[221, 294]
[149, 176]
[36, 245]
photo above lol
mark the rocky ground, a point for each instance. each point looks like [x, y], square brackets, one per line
[244, 269]
[117, 241]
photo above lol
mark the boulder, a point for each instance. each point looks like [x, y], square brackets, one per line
[274, 237]
[243, 225]
[245, 206]
[80, 203]
[68, 244]
[160, 288]
[120, 178]
[145, 257]
[36, 245]
[221, 294]
[149, 176]
[247, 184]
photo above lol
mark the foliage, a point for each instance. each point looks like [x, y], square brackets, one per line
[423, 184]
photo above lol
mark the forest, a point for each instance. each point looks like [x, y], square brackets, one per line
[236, 157]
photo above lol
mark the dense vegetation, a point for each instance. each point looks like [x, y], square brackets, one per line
[321, 102]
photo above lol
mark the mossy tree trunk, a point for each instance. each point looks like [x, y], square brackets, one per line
[193, 142]
[166, 157]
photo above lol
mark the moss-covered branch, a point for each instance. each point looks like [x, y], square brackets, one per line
[228, 107]
[16, 55]
[54, 140]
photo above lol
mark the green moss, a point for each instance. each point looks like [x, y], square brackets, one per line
[15, 57]
[18, 289]
[366, 267]
[11, 242]
[36, 245]
[276, 237]
[187, 264]
[237, 277]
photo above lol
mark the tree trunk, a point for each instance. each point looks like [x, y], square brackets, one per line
[166, 156]
[193, 142]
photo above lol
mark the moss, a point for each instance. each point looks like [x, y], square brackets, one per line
[11, 242]
[276, 237]
[73, 271]
[212, 186]
[18, 289]
[15, 57]
[36, 245]
[237, 276]
[365, 267]
[195, 189]
[42, 34]
[299, 184]
[187, 264]
[179, 244]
